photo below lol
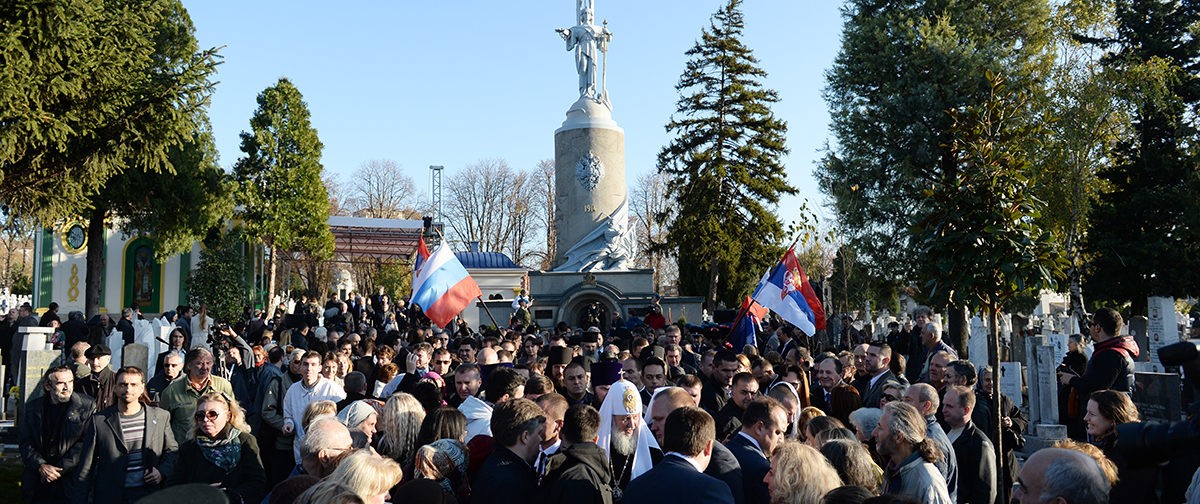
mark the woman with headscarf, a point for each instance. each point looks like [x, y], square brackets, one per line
[624, 437]
[440, 473]
[361, 418]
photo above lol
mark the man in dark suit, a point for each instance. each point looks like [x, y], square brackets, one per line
[128, 450]
[688, 438]
[507, 476]
[50, 436]
[973, 451]
[763, 428]
[716, 389]
[729, 419]
[722, 465]
[833, 395]
[878, 363]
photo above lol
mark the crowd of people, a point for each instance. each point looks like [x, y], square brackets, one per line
[362, 401]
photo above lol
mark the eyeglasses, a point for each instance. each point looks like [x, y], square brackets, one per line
[1019, 487]
[210, 414]
[889, 398]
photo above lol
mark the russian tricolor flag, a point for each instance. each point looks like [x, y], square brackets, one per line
[422, 256]
[442, 287]
[786, 291]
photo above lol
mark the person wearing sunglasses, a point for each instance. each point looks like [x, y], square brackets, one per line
[128, 449]
[222, 452]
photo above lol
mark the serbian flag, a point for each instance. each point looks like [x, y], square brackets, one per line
[422, 256]
[442, 287]
[786, 291]
[746, 332]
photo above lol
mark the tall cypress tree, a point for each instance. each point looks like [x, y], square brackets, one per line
[725, 166]
[1144, 236]
[284, 202]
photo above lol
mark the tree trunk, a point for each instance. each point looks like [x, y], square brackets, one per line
[714, 274]
[95, 262]
[993, 320]
[957, 328]
[1076, 295]
[272, 264]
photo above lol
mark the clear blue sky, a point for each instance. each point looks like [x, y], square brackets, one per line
[449, 83]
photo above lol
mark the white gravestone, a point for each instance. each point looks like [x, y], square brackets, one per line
[977, 343]
[1010, 382]
[1047, 362]
[1162, 328]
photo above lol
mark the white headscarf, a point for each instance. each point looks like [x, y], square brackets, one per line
[623, 399]
[355, 413]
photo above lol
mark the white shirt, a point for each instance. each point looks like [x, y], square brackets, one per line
[752, 441]
[540, 465]
[876, 378]
[954, 433]
[298, 397]
[695, 463]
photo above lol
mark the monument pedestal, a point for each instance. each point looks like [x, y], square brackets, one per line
[565, 296]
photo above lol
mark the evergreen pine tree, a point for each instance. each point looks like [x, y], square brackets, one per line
[725, 167]
[1144, 236]
[283, 201]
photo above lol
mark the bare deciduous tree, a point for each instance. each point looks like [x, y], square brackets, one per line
[337, 196]
[650, 211]
[380, 189]
[491, 203]
[16, 238]
[545, 206]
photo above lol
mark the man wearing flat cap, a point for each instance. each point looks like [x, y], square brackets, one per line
[100, 384]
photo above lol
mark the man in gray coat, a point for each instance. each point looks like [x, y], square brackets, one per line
[128, 450]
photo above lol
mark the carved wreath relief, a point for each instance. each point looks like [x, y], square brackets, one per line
[589, 170]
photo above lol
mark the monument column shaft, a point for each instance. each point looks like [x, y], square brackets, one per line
[578, 207]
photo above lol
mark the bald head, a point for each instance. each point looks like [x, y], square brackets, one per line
[664, 402]
[1054, 473]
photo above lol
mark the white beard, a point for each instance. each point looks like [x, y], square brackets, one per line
[625, 445]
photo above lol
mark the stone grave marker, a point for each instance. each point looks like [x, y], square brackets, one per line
[1047, 379]
[977, 343]
[1031, 371]
[1157, 396]
[136, 355]
[1011, 383]
[1161, 327]
[34, 364]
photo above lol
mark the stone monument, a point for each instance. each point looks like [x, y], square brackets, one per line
[592, 269]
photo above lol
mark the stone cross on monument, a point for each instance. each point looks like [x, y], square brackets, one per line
[591, 205]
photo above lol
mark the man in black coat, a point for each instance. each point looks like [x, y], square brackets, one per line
[688, 438]
[722, 465]
[579, 471]
[729, 419]
[717, 387]
[972, 450]
[50, 435]
[99, 384]
[507, 476]
[763, 429]
[1111, 365]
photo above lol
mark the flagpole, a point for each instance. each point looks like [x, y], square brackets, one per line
[738, 319]
[489, 312]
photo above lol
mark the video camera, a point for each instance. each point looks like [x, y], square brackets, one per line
[1151, 443]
